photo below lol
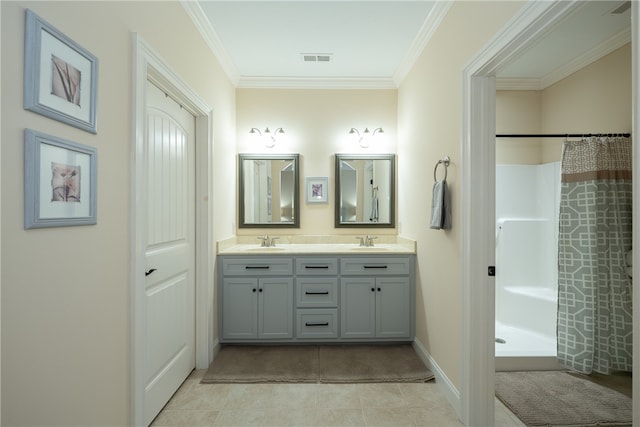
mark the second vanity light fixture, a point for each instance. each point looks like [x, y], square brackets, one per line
[364, 137]
[267, 137]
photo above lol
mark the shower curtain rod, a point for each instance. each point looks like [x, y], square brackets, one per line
[558, 135]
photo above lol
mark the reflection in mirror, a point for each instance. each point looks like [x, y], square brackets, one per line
[365, 190]
[268, 193]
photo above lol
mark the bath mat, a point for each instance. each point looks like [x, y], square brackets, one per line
[371, 363]
[554, 398]
[317, 364]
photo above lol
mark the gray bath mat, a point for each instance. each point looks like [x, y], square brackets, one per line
[553, 398]
[317, 363]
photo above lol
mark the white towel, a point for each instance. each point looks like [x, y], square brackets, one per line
[441, 206]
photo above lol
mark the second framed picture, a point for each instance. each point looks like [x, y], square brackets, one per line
[59, 182]
[317, 189]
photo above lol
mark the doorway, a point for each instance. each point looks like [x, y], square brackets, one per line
[478, 200]
[149, 66]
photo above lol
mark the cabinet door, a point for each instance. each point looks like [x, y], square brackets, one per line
[357, 307]
[393, 301]
[275, 308]
[240, 308]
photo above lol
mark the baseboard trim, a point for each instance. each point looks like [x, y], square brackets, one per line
[444, 384]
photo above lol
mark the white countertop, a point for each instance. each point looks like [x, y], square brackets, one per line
[300, 245]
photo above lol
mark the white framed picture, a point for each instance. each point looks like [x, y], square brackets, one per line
[317, 189]
[60, 77]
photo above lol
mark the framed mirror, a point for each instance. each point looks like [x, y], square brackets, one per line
[365, 190]
[268, 191]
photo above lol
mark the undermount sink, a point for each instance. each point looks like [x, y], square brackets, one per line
[267, 249]
[369, 249]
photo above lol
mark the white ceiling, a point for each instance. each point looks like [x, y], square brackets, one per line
[374, 43]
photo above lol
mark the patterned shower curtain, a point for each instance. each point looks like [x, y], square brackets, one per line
[594, 291]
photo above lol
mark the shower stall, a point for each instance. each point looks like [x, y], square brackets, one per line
[527, 204]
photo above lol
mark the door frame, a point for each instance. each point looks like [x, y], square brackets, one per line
[478, 201]
[148, 65]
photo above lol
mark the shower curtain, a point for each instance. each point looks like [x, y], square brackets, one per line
[594, 292]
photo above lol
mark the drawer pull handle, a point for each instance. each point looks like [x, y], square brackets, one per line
[256, 267]
[318, 267]
[375, 266]
[316, 324]
[316, 293]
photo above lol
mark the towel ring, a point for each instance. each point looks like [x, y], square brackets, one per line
[445, 162]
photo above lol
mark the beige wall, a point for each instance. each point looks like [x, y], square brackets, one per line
[429, 125]
[595, 99]
[316, 124]
[518, 112]
[65, 291]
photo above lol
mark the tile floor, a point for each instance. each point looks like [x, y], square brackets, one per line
[331, 405]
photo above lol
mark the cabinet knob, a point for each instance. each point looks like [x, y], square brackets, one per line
[253, 290]
[373, 289]
[260, 290]
[378, 289]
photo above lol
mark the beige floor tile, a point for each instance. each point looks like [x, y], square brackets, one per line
[338, 396]
[422, 394]
[200, 397]
[249, 396]
[241, 418]
[293, 396]
[380, 395]
[290, 417]
[349, 417]
[388, 417]
[183, 418]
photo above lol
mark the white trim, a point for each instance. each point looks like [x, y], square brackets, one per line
[203, 25]
[149, 65]
[445, 386]
[248, 82]
[635, 96]
[478, 204]
[615, 42]
[428, 28]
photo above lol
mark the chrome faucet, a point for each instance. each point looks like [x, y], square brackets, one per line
[366, 241]
[266, 241]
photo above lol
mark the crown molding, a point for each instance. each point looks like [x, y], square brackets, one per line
[203, 25]
[435, 17]
[315, 83]
[615, 42]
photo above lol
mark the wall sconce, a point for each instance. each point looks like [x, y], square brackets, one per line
[364, 138]
[267, 137]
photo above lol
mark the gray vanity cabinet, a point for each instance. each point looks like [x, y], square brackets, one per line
[376, 299]
[255, 304]
[316, 298]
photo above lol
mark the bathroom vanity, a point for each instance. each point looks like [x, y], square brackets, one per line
[316, 293]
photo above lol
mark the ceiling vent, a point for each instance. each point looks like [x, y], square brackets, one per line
[316, 57]
[621, 9]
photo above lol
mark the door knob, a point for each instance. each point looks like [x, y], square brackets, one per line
[148, 272]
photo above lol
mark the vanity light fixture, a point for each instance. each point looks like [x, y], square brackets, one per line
[364, 138]
[267, 137]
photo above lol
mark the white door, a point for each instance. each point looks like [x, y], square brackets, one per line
[169, 249]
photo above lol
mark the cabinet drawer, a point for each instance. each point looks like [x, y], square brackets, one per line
[317, 292]
[316, 266]
[258, 266]
[317, 323]
[374, 265]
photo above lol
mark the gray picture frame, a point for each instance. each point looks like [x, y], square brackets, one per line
[48, 162]
[60, 76]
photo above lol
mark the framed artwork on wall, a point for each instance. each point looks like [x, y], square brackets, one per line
[60, 77]
[59, 182]
[317, 189]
